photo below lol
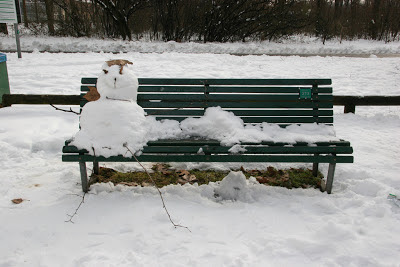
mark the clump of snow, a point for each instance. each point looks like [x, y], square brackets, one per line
[307, 132]
[215, 124]
[224, 126]
[164, 129]
[233, 187]
[236, 149]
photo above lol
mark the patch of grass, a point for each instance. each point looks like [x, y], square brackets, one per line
[164, 175]
[290, 178]
[205, 177]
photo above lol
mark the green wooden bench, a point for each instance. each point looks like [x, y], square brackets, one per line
[280, 101]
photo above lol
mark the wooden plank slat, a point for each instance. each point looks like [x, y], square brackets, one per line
[213, 158]
[240, 113]
[215, 143]
[73, 149]
[283, 120]
[196, 81]
[227, 97]
[164, 104]
[200, 142]
[223, 89]
[252, 149]
[230, 89]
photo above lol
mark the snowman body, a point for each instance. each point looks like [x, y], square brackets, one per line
[115, 121]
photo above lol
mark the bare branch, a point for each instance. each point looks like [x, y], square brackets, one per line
[77, 209]
[158, 189]
[64, 110]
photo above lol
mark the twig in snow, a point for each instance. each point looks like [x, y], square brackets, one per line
[65, 110]
[158, 189]
[77, 209]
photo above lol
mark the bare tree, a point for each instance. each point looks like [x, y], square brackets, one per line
[120, 11]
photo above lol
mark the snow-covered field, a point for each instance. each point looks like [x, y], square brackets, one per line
[268, 226]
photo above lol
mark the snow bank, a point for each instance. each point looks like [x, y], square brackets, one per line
[296, 45]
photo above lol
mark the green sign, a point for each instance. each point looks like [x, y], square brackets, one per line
[305, 93]
[10, 11]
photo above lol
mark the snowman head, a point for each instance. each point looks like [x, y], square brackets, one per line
[117, 81]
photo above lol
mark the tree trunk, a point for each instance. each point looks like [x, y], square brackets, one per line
[50, 15]
[3, 28]
[26, 22]
[376, 19]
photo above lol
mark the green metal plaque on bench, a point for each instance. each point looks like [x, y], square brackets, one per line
[305, 93]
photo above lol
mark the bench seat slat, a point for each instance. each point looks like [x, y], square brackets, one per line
[257, 120]
[231, 89]
[240, 113]
[200, 142]
[225, 150]
[223, 89]
[227, 97]
[250, 150]
[190, 81]
[213, 158]
[164, 104]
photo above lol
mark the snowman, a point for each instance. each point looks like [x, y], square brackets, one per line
[115, 121]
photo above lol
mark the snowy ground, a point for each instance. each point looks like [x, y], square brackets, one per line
[119, 226]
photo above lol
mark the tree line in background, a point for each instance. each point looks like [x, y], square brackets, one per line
[215, 20]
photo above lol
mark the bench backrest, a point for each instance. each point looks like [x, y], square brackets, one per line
[281, 101]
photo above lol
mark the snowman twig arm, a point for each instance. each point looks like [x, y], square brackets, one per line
[65, 110]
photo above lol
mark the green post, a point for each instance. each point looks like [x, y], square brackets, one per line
[4, 85]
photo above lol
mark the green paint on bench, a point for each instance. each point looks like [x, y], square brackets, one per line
[279, 101]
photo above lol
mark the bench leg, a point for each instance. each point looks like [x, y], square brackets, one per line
[82, 166]
[329, 180]
[315, 169]
[95, 167]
